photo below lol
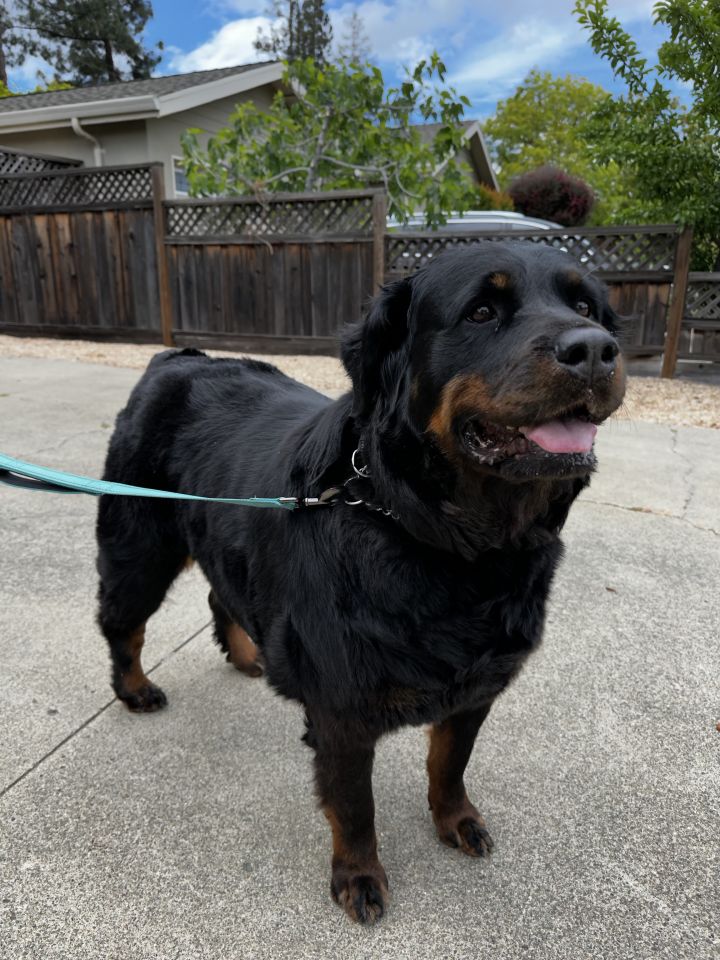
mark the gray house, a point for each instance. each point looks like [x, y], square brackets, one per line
[136, 121]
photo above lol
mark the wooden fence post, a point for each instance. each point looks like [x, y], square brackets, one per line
[379, 223]
[165, 295]
[676, 311]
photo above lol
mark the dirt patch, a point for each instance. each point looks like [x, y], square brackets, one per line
[677, 402]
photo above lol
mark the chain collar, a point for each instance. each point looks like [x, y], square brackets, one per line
[351, 492]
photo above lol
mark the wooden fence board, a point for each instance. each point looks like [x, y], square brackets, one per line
[82, 268]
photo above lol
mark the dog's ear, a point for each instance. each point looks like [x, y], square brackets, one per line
[373, 350]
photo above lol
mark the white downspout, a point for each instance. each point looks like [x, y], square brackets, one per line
[98, 152]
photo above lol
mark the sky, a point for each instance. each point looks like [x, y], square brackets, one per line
[488, 47]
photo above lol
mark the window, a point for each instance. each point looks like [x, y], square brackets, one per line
[180, 180]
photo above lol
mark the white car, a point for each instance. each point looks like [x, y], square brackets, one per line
[473, 221]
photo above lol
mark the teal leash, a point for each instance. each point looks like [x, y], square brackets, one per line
[19, 473]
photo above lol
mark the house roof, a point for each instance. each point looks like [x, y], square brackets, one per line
[476, 146]
[158, 96]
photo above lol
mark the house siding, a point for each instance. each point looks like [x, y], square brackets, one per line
[122, 142]
[137, 141]
[164, 134]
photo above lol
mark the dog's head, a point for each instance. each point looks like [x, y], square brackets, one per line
[505, 355]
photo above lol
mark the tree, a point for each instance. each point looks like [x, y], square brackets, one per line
[88, 41]
[343, 129]
[552, 194]
[303, 30]
[355, 44]
[488, 199]
[41, 88]
[669, 150]
[542, 123]
[8, 43]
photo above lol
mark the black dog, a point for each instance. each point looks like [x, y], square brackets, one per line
[418, 594]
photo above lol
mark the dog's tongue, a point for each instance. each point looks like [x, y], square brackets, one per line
[563, 436]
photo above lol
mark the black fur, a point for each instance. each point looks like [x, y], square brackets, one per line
[371, 622]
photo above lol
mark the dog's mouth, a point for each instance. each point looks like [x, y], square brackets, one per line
[564, 442]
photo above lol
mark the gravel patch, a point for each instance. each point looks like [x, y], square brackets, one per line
[676, 402]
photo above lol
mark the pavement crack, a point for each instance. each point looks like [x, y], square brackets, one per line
[654, 513]
[99, 712]
[679, 920]
[71, 436]
[687, 479]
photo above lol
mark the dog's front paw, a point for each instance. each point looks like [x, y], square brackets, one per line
[470, 836]
[146, 699]
[363, 894]
[464, 829]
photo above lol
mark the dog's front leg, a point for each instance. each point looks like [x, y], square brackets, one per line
[343, 774]
[457, 821]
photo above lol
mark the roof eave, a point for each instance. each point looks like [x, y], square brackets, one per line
[480, 155]
[143, 107]
[98, 111]
[218, 89]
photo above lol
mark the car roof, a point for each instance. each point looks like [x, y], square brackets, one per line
[474, 219]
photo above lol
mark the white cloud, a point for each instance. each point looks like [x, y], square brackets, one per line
[25, 77]
[252, 7]
[231, 45]
[488, 49]
[495, 67]
[403, 31]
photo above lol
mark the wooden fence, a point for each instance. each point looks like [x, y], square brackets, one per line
[99, 253]
[78, 253]
[18, 161]
[281, 274]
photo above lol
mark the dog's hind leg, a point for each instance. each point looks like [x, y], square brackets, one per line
[137, 563]
[239, 649]
[457, 821]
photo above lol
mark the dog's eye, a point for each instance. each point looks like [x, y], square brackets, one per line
[482, 313]
[583, 308]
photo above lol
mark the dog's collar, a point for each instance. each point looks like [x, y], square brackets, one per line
[356, 491]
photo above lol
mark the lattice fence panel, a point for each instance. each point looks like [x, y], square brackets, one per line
[84, 187]
[13, 161]
[345, 216]
[703, 298]
[605, 252]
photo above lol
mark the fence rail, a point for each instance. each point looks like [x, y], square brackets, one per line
[622, 250]
[77, 188]
[17, 161]
[99, 252]
[280, 216]
[700, 331]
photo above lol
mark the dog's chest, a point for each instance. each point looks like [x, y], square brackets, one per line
[414, 639]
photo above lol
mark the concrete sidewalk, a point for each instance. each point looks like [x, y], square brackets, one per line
[193, 833]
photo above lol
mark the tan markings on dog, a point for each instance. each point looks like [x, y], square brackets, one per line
[189, 562]
[242, 652]
[501, 281]
[574, 278]
[341, 850]
[439, 752]
[360, 855]
[447, 798]
[467, 392]
[134, 679]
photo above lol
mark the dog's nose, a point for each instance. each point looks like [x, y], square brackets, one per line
[587, 352]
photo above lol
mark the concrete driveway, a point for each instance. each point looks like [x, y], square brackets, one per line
[193, 833]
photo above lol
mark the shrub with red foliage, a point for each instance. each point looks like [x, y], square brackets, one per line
[552, 194]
